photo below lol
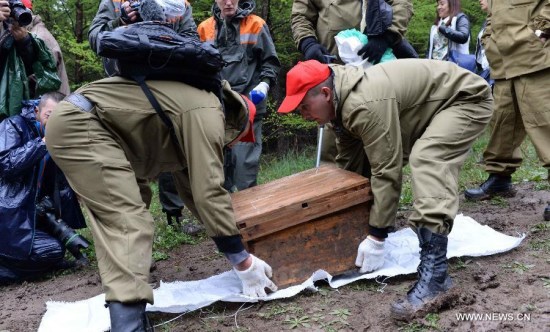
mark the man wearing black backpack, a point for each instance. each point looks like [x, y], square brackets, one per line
[103, 142]
[110, 15]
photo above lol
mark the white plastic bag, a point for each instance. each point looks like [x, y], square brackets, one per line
[173, 9]
[349, 42]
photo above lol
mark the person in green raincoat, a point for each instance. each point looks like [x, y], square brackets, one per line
[27, 68]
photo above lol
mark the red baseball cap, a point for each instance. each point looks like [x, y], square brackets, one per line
[27, 3]
[302, 77]
[249, 137]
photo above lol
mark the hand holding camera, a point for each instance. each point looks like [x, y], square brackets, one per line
[129, 12]
[18, 32]
[4, 10]
[73, 241]
[170, 11]
[16, 11]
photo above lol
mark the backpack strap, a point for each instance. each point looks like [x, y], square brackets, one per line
[154, 102]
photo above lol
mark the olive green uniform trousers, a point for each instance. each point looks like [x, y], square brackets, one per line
[103, 151]
[522, 107]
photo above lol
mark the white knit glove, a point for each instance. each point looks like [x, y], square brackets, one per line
[370, 255]
[258, 94]
[256, 278]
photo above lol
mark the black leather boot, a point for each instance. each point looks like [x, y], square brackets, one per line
[546, 213]
[433, 279]
[129, 317]
[496, 185]
[170, 219]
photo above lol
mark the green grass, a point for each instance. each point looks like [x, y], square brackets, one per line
[273, 167]
[473, 174]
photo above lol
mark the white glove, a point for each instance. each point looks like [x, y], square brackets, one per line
[256, 278]
[370, 255]
[259, 93]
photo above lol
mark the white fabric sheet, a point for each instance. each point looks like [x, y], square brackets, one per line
[468, 238]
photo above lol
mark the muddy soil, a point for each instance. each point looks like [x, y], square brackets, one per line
[510, 291]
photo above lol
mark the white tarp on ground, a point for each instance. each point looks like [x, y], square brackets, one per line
[468, 238]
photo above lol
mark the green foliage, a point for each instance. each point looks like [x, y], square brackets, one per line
[518, 267]
[168, 237]
[432, 320]
[499, 201]
[341, 313]
[296, 322]
[541, 227]
[541, 245]
[68, 22]
[459, 264]
[290, 130]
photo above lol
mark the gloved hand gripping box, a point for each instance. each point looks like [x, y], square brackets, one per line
[304, 222]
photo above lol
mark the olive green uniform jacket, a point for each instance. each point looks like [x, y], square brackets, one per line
[520, 65]
[324, 19]
[103, 150]
[424, 112]
[511, 45]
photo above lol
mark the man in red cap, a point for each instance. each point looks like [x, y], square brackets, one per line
[102, 142]
[427, 113]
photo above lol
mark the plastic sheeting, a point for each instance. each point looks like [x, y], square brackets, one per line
[468, 238]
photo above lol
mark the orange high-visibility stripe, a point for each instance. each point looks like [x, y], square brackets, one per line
[207, 30]
[252, 25]
[249, 29]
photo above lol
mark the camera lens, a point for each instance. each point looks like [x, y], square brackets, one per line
[22, 16]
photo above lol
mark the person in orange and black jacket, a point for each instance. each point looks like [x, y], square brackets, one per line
[252, 67]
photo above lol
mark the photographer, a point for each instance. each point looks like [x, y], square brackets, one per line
[27, 67]
[33, 241]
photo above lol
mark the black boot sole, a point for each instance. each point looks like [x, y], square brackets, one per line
[441, 301]
[477, 198]
[546, 214]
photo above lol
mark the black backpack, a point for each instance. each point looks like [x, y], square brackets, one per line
[154, 51]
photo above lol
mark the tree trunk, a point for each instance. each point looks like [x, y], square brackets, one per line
[79, 35]
[264, 11]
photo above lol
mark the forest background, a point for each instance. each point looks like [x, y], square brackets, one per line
[69, 20]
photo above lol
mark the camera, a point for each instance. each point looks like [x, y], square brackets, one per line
[20, 13]
[73, 241]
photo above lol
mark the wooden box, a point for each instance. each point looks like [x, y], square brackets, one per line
[308, 221]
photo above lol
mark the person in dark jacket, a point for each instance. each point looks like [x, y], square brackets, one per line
[451, 31]
[315, 23]
[27, 177]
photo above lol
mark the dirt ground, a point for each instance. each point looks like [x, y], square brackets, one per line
[511, 291]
